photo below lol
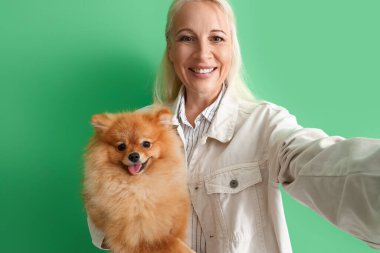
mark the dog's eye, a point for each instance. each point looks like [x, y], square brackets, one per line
[146, 144]
[121, 147]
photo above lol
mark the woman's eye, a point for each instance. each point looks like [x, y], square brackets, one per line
[146, 144]
[217, 39]
[186, 38]
[121, 147]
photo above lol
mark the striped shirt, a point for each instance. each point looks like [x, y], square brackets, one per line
[192, 136]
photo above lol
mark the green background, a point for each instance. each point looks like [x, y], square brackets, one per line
[62, 61]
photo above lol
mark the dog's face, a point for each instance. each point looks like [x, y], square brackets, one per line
[133, 140]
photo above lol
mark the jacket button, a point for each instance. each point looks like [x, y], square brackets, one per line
[234, 183]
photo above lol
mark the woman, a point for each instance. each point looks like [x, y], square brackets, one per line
[239, 149]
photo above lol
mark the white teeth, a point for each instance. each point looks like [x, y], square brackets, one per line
[203, 71]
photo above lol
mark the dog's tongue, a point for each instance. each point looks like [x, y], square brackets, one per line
[134, 169]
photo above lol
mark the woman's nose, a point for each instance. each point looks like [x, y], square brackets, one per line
[204, 50]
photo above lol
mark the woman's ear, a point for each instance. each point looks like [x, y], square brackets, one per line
[169, 52]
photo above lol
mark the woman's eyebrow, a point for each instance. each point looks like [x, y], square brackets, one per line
[183, 29]
[189, 30]
[215, 30]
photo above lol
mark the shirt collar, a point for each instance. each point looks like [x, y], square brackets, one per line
[223, 126]
[208, 113]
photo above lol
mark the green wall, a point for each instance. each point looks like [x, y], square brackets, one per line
[62, 61]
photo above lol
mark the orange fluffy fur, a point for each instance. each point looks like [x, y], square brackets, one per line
[146, 212]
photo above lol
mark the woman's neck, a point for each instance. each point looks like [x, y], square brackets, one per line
[195, 104]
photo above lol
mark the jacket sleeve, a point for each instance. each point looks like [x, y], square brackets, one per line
[97, 235]
[336, 177]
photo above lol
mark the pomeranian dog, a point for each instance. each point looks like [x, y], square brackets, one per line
[135, 184]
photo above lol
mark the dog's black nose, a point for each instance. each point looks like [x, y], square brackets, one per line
[134, 157]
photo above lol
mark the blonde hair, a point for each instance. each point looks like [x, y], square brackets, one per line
[167, 84]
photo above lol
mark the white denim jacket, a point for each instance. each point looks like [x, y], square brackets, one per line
[253, 146]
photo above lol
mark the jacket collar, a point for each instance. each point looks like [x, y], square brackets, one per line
[175, 108]
[223, 125]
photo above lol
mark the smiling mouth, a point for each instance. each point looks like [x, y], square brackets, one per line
[136, 168]
[202, 70]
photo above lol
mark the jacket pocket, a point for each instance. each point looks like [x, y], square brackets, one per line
[236, 195]
[233, 179]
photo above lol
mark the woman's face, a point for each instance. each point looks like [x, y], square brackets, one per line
[200, 48]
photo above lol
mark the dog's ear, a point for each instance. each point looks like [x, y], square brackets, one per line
[101, 122]
[164, 115]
